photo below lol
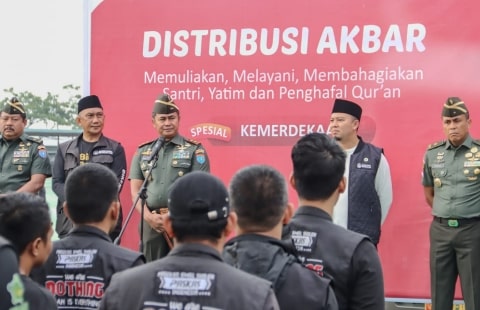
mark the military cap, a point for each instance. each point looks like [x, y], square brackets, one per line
[348, 107]
[164, 105]
[13, 106]
[89, 102]
[454, 106]
[198, 197]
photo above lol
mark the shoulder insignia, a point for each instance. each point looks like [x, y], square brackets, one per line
[192, 141]
[34, 139]
[436, 144]
[147, 143]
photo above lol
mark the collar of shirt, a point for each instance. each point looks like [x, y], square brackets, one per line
[90, 230]
[313, 211]
[285, 245]
[467, 143]
[195, 249]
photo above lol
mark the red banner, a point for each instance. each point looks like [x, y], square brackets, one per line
[251, 77]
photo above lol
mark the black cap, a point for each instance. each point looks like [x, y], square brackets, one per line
[14, 106]
[88, 102]
[198, 196]
[164, 105]
[454, 106]
[348, 107]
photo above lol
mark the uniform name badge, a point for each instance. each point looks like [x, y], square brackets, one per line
[452, 223]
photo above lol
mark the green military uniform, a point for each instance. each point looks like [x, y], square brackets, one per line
[454, 174]
[176, 158]
[19, 160]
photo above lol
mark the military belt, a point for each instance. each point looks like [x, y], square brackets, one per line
[451, 222]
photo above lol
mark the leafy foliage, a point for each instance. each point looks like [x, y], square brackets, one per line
[49, 110]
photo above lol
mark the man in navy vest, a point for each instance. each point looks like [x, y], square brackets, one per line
[364, 205]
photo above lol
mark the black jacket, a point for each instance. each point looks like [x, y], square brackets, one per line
[349, 258]
[275, 261]
[81, 265]
[107, 152]
[191, 276]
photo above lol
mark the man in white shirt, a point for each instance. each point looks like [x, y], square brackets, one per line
[364, 205]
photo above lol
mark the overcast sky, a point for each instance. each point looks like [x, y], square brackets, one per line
[41, 46]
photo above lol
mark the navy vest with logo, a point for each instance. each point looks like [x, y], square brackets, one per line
[364, 209]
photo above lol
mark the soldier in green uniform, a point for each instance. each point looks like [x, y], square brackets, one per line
[451, 180]
[24, 162]
[177, 157]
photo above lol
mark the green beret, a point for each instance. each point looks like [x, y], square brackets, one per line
[164, 105]
[454, 107]
[13, 106]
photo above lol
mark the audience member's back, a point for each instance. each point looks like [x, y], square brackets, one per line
[192, 275]
[259, 197]
[349, 258]
[25, 221]
[81, 265]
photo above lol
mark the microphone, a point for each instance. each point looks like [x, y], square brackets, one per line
[156, 147]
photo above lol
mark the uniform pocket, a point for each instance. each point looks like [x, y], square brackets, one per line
[106, 160]
[180, 167]
[439, 172]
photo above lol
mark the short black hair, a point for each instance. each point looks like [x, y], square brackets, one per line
[259, 196]
[196, 231]
[23, 218]
[318, 166]
[90, 190]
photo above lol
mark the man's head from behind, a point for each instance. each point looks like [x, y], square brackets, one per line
[25, 221]
[318, 166]
[91, 195]
[259, 197]
[199, 208]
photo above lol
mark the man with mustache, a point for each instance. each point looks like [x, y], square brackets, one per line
[452, 189]
[177, 156]
[24, 162]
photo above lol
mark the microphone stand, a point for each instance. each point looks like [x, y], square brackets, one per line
[142, 194]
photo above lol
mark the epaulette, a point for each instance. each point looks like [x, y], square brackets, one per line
[436, 144]
[146, 143]
[35, 139]
[192, 141]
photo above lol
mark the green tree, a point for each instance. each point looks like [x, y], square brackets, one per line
[49, 110]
